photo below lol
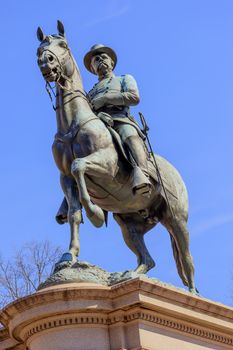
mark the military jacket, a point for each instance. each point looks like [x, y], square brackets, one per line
[125, 85]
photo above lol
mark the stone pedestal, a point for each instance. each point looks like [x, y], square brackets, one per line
[133, 315]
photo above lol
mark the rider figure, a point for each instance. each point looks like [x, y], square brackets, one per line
[113, 95]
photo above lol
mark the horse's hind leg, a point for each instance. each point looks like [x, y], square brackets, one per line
[177, 227]
[133, 228]
[74, 216]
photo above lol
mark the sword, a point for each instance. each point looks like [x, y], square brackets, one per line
[145, 131]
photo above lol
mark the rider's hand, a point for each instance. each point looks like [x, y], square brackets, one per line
[98, 102]
[110, 98]
[114, 98]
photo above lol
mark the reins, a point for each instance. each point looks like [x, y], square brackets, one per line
[49, 88]
[70, 135]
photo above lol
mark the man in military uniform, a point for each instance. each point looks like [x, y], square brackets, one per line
[113, 95]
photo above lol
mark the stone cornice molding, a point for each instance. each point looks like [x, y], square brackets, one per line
[175, 295]
[142, 284]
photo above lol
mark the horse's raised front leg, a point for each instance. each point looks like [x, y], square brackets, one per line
[74, 218]
[94, 164]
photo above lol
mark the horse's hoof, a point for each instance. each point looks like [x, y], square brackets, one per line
[194, 291]
[142, 269]
[66, 257]
[67, 260]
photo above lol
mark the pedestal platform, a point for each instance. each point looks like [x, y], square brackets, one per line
[132, 315]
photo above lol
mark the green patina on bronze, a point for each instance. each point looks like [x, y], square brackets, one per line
[103, 159]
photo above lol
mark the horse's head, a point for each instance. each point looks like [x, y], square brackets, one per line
[54, 58]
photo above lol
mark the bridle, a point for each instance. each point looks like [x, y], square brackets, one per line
[61, 74]
[69, 137]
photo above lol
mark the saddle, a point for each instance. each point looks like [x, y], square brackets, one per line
[109, 122]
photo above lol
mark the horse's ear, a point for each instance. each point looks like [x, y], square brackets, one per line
[40, 34]
[60, 28]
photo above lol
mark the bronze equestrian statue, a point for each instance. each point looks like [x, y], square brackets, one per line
[99, 171]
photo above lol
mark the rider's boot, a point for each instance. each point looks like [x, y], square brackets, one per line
[141, 182]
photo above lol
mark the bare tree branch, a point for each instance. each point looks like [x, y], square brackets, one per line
[22, 273]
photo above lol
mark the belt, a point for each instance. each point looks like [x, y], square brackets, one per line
[120, 110]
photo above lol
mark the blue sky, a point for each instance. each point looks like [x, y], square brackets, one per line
[181, 54]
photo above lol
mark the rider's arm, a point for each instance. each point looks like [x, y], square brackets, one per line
[129, 96]
[130, 91]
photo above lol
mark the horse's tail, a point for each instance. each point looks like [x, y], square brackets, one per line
[178, 261]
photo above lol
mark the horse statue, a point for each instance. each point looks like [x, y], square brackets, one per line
[95, 175]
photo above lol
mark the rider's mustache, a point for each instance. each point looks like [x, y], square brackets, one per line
[102, 63]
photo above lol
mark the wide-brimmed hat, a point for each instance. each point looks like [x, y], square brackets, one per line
[99, 48]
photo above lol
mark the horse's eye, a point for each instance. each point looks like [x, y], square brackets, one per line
[50, 58]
